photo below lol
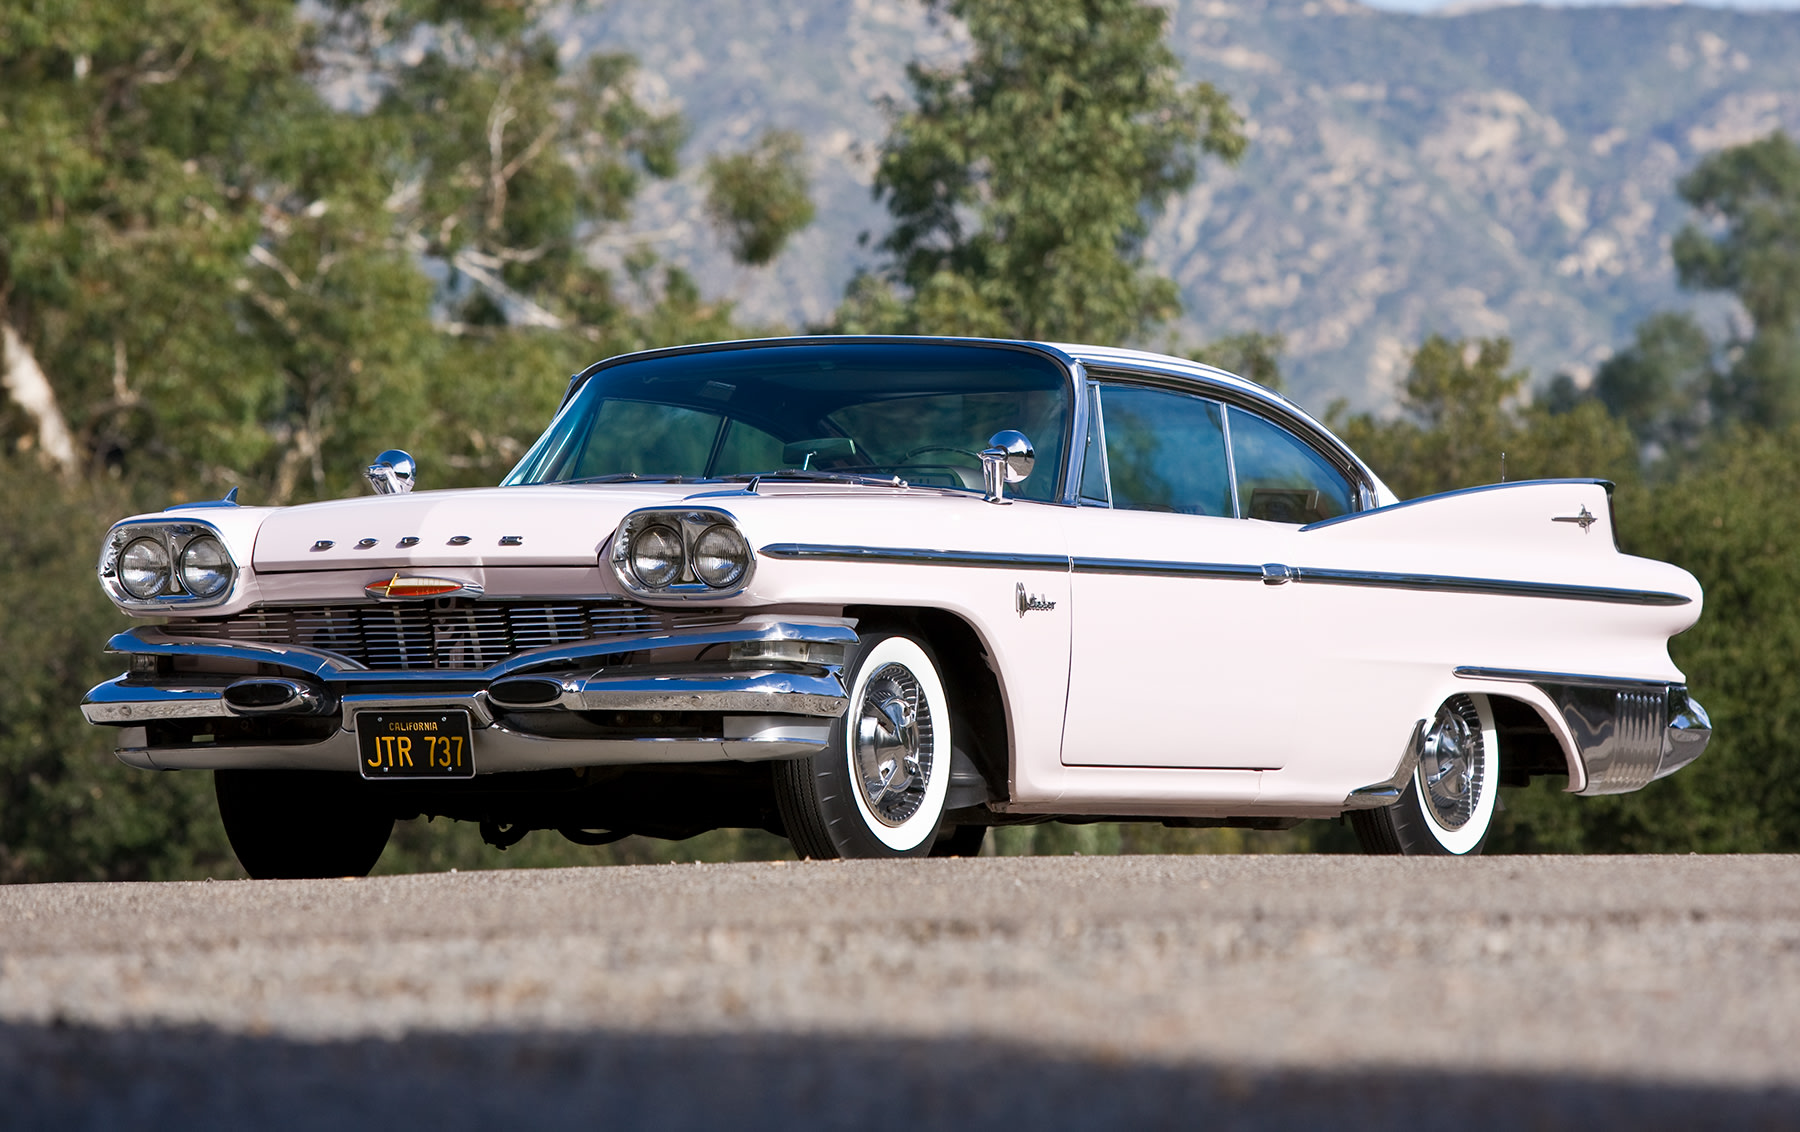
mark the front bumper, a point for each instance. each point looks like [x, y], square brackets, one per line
[645, 699]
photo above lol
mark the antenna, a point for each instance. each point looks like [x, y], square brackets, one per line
[1502, 467]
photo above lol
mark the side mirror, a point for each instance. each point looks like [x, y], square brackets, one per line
[391, 473]
[1008, 459]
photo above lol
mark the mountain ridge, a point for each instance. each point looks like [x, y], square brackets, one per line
[1507, 170]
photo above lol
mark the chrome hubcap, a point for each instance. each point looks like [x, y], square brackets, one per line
[1450, 766]
[890, 744]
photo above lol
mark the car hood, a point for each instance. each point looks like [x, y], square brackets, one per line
[561, 525]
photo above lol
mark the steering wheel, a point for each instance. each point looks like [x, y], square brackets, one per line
[920, 451]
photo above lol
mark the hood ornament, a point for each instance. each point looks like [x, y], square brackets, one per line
[402, 587]
[391, 473]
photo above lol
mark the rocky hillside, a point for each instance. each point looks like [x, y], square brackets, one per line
[1506, 171]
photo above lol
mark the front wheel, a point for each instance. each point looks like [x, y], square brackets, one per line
[289, 824]
[1448, 807]
[879, 786]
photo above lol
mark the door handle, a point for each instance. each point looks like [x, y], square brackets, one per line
[1275, 574]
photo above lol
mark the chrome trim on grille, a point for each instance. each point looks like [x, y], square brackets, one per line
[438, 634]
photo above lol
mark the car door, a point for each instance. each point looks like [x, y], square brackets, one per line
[1183, 654]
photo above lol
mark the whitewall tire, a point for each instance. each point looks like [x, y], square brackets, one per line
[1448, 807]
[879, 787]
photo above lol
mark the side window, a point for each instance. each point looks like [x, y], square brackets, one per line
[1165, 451]
[1280, 477]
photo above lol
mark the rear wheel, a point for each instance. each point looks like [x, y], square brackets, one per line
[1448, 807]
[286, 824]
[878, 788]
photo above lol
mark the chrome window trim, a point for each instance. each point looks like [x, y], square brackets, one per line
[1237, 506]
[1277, 409]
[1096, 412]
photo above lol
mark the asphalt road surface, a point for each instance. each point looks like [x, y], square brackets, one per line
[1023, 993]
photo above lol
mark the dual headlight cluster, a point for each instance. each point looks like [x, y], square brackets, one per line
[689, 553]
[166, 562]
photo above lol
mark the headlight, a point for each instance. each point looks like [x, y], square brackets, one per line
[656, 556]
[205, 567]
[681, 554]
[144, 568]
[721, 556]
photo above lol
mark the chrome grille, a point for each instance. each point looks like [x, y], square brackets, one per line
[453, 633]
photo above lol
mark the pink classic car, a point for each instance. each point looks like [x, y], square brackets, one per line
[880, 594]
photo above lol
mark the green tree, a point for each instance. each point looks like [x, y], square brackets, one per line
[1748, 197]
[1022, 183]
[1660, 385]
[1462, 410]
[759, 198]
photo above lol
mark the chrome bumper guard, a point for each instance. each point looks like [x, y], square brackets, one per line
[1629, 733]
[779, 686]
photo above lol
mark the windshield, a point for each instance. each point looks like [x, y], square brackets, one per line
[920, 411]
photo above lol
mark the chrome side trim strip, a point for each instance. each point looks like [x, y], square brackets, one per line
[915, 556]
[1573, 679]
[1439, 583]
[1497, 587]
[1136, 568]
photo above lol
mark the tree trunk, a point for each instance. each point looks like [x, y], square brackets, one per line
[24, 379]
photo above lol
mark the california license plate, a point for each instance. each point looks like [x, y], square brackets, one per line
[415, 744]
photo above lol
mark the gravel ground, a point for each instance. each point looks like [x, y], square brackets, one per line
[990, 992]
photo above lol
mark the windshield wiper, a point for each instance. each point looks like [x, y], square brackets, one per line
[812, 475]
[629, 477]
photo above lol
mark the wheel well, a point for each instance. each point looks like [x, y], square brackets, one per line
[1528, 747]
[974, 690]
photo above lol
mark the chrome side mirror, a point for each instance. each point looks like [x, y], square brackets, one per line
[391, 473]
[1008, 459]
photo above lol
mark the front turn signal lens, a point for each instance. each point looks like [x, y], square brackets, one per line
[144, 568]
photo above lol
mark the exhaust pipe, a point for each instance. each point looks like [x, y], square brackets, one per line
[274, 695]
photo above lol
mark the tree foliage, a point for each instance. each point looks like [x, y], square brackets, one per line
[1022, 182]
[759, 198]
[1462, 411]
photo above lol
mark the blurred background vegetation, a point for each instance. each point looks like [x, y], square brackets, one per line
[251, 243]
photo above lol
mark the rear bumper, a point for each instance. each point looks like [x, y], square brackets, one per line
[1627, 733]
[762, 689]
